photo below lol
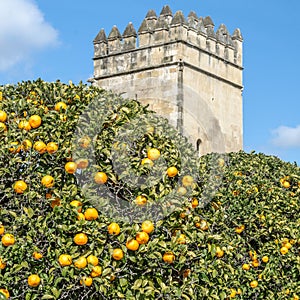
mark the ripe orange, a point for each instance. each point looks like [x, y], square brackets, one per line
[91, 214]
[24, 125]
[15, 147]
[35, 121]
[168, 257]
[219, 252]
[117, 254]
[187, 180]
[80, 239]
[153, 153]
[96, 271]
[254, 284]
[5, 292]
[255, 263]
[80, 216]
[132, 245]
[40, 147]
[246, 267]
[172, 171]
[37, 255]
[2, 229]
[20, 187]
[288, 245]
[195, 202]
[113, 228]
[65, 260]
[82, 163]
[140, 200]
[87, 281]
[60, 106]
[284, 250]
[26, 145]
[47, 181]
[55, 202]
[240, 229]
[203, 225]
[71, 167]
[147, 161]
[100, 178]
[52, 147]
[232, 293]
[92, 260]
[77, 204]
[81, 262]
[2, 264]
[84, 142]
[3, 116]
[181, 239]
[265, 259]
[34, 280]
[147, 226]
[286, 184]
[142, 237]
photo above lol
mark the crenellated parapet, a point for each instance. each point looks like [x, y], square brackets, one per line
[166, 28]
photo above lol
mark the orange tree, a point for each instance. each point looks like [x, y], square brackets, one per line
[100, 199]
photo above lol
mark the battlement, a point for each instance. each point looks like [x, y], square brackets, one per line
[197, 32]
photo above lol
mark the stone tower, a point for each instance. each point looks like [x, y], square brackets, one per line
[184, 69]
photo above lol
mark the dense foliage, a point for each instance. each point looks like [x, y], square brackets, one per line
[224, 226]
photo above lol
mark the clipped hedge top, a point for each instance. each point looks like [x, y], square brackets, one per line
[230, 232]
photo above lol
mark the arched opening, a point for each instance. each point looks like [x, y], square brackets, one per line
[198, 146]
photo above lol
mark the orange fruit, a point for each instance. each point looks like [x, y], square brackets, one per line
[240, 229]
[153, 153]
[77, 204]
[65, 260]
[232, 293]
[80, 216]
[81, 262]
[286, 184]
[100, 178]
[254, 284]
[60, 106]
[91, 214]
[203, 225]
[140, 200]
[96, 271]
[142, 237]
[37, 255]
[52, 147]
[3, 127]
[47, 181]
[187, 180]
[195, 202]
[265, 259]
[82, 163]
[172, 171]
[26, 145]
[35, 121]
[113, 228]
[3, 116]
[284, 250]
[71, 167]
[168, 257]
[80, 239]
[117, 254]
[40, 147]
[147, 226]
[20, 187]
[87, 281]
[132, 245]
[2, 264]
[5, 292]
[55, 202]
[15, 147]
[24, 125]
[2, 229]
[181, 239]
[246, 267]
[288, 245]
[92, 260]
[146, 161]
[34, 280]
[255, 263]
[84, 142]
[219, 252]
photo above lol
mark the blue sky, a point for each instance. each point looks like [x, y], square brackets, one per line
[53, 40]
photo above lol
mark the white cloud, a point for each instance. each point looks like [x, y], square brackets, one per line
[286, 137]
[23, 30]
